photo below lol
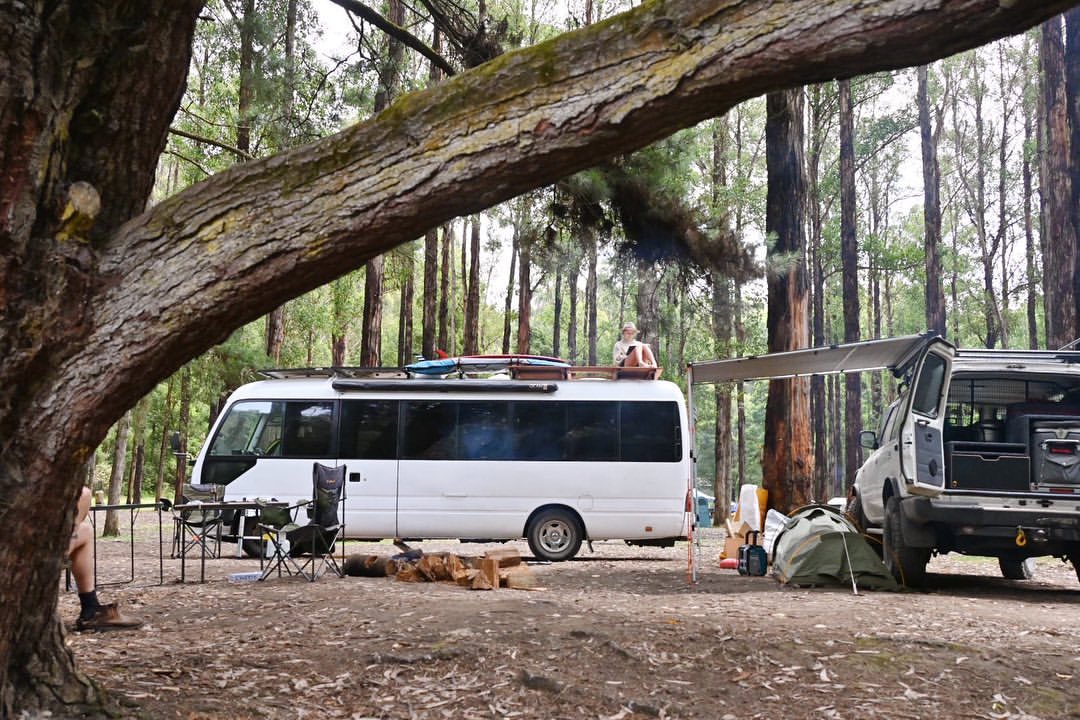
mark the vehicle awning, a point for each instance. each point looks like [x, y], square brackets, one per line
[890, 353]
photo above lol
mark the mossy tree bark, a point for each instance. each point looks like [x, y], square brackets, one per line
[98, 302]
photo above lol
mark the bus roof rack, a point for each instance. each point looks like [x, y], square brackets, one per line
[381, 373]
[475, 370]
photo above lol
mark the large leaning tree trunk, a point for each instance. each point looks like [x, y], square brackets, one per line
[98, 302]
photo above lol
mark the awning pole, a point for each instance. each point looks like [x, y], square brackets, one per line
[691, 499]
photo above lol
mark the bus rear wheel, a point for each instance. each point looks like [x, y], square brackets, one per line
[554, 535]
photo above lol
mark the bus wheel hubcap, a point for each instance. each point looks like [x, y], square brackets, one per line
[555, 535]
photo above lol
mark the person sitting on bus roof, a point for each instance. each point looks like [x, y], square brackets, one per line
[93, 615]
[631, 353]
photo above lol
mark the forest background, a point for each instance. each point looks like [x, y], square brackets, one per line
[671, 237]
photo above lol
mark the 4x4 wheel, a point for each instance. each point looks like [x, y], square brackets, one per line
[1013, 568]
[907, 564]
[555, 535]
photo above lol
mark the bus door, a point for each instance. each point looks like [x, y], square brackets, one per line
[368, 447]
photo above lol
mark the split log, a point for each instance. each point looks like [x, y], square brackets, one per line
[409, 573]
[433, 568]
[489, 568]
[506, 557]
[482, 582]
[518, 578]
[457, 569]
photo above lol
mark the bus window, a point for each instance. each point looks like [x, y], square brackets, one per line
[248, 429]
[538, 429]
[591, 431]
[484, 431]
[650, 432]
[430, 430]
[307, 430]
[369, 429]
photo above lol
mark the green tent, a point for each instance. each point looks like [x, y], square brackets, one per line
[819, 546]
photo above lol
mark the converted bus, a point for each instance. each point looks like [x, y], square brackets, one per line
[556, 462]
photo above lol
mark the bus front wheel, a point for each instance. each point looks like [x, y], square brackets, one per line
[555, 535]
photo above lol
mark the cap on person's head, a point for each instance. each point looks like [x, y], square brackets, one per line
[630, 326]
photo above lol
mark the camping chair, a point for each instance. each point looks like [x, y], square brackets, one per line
[307, 549]
[194, 527]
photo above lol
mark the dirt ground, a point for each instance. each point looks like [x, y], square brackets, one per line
[617, 633]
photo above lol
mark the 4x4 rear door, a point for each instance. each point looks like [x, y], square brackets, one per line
[922, 450]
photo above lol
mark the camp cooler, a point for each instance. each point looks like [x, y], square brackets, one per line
[1055, 454]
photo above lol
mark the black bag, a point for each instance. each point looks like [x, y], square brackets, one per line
[752, 557]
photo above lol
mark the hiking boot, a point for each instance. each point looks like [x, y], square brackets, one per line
[107, 617]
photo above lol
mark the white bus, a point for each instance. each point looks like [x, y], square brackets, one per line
[554, 462]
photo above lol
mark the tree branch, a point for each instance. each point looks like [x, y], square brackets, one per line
[186, 159]
[230, 249]
[211, 141]
[396, 31]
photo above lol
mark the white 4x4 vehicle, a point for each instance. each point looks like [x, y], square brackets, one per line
[979, 455]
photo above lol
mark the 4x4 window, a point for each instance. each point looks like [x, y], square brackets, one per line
[928, 390]
[889, 428]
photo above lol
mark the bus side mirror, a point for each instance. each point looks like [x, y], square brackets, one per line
[174, 442]
[868, 439]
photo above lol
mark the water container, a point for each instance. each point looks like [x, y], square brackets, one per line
[243, 577]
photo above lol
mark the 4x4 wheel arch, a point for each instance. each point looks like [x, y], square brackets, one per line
[916, 533]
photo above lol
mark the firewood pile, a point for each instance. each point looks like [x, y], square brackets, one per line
[499, 568]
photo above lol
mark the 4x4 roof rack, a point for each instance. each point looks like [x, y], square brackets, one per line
[1067, 357]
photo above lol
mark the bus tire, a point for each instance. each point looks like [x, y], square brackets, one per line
[555, 535]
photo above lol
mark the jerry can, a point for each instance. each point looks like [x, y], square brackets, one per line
[752, 557]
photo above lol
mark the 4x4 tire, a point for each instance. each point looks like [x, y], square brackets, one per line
[855, 513]
[907, 564]
[1017, 568]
